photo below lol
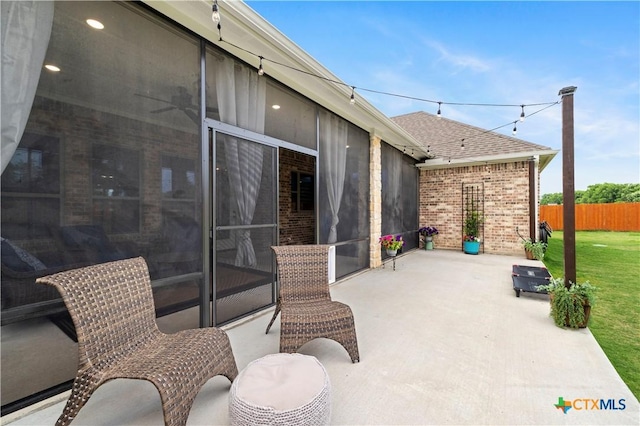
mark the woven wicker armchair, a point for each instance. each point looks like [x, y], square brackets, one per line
[305, 301]
[112, 308]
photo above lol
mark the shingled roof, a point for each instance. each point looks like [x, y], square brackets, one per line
[444, 138]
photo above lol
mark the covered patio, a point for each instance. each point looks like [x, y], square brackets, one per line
[443, 340]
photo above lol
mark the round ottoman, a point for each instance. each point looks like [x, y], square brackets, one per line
[281, 389]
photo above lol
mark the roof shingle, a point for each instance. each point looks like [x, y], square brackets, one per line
[444, 137]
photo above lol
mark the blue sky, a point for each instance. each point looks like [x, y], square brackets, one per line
[491, 52]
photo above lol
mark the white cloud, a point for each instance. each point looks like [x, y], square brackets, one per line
[458, 61]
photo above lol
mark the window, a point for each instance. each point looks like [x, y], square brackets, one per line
[31, 188]
[302, 191]
[178, 185]
[116, 188]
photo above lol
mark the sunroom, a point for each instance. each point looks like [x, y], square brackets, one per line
[140, 129]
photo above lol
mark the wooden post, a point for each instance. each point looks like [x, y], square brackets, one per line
[568, 186]
[533, 201]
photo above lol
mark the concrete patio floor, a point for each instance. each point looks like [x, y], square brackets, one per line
[443, 340]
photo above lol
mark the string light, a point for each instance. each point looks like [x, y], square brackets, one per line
[260, 69]
[215, 12]
[440, 103]
[216, 19]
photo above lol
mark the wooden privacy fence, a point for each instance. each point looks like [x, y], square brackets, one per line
[596, 217]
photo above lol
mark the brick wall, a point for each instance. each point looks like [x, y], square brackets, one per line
[296, 227]
[78, 129]
[506, 204]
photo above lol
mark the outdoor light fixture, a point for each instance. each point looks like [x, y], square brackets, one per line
[260, 69]
[439, 113]
[215, 12]
[514, 131]
[462, 145]
[52, 68]
[522, 114]
[352, 100]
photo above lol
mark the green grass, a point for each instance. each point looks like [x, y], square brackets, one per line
[615, 270]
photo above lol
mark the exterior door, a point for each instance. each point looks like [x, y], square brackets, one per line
[244, 223]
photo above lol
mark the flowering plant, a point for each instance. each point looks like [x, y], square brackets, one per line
[472, 238]
[391, 242]
[428, 231]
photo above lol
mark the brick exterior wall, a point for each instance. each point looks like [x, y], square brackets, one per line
[296, 227]
[506, 204]
[78, 129]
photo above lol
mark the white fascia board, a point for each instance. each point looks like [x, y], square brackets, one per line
[545, 158]
[243, 27]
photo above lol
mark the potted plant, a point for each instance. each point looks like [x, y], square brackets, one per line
[533, 249]
[391, 243]
[570, 305]
[426, 234]
[471, 230]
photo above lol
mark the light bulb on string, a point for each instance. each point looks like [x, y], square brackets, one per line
[522, 113]
[515, 130]
[439, 113]
[215, 13]
[428, 149]
[352, 100]
[260, 69]
[462, 145]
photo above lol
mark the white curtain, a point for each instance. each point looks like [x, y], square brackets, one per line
[241, 101]
[333, 149]
[26, 28]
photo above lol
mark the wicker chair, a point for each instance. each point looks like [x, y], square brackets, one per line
[305, 301]
[113, 311]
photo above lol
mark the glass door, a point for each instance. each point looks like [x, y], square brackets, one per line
[244, 225]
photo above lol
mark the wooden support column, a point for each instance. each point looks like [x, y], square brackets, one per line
[532, 200]
[568, 186]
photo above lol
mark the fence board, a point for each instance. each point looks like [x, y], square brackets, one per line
[596, 217]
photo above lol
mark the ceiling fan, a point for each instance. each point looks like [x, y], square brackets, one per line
[181, 101]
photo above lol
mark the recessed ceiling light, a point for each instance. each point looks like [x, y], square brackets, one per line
[95, 24]
[52, 68]
[275, 106]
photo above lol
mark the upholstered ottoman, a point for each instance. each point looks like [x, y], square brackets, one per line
[281, 389]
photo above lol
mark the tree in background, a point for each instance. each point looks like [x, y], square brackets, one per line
[600, 193]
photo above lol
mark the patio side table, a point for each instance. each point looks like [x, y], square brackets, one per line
[281, 389]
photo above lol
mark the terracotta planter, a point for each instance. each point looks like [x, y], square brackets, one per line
[529, 254]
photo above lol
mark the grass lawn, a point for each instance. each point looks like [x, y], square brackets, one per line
[610, 261]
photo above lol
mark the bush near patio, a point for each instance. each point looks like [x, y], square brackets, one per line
[610, 261]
